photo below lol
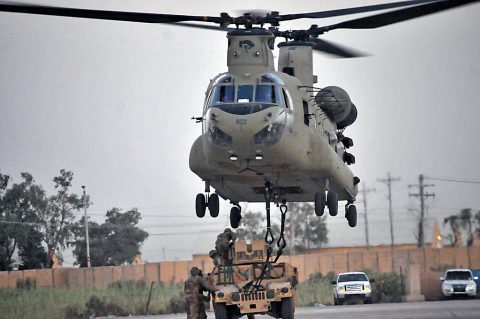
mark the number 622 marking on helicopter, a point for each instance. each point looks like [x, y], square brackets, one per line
[241, 121]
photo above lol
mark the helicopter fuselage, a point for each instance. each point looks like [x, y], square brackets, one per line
[260, 125]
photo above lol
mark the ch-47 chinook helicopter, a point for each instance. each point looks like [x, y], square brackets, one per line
[268, 134]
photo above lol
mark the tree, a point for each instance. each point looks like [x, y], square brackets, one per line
[463, 220]
[250, 230]
[115, 242]
[455, 227]
[477, 220]
[19, 209]
[466, 222]
[97, 241]
[58, 215]
[304, 230]
[7, 243]
[31, 252]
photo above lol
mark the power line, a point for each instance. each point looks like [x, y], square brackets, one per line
[453, 180]
[113, 226]
[148, 216]
[146, 207]
[186, 233]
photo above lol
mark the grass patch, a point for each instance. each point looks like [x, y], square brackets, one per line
[123, 298]
[316, 290]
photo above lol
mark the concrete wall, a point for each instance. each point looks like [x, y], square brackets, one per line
[431, 262]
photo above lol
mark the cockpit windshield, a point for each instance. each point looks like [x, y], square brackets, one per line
[223, 94]
[228, 96]
[265, 93]
[245, 93]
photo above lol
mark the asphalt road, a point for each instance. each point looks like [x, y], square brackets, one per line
[452, 309]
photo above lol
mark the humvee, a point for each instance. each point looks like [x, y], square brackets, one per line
[242, 289]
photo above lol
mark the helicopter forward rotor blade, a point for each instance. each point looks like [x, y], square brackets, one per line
[384, 19]
[347, 11]
[105, 14]
[325, 46]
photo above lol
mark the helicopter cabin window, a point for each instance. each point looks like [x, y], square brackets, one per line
[306, 114]
[245, 93]
[223, 94]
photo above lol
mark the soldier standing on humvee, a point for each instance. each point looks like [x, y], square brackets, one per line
[195, 285]
[222, 248]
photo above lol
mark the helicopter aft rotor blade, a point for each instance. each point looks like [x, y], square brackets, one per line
[391, 17]
[347, 11]
[335, 49]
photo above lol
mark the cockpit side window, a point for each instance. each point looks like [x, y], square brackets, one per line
[223, 94]
[245, 94]
[286, 99]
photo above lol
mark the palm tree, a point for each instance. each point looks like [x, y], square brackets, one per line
[466, 223]
[477, 220]
[454, 225]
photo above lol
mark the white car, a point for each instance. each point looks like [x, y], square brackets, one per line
[352, 286]
[458, 282]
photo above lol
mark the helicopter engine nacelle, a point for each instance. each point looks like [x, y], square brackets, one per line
[336, 104]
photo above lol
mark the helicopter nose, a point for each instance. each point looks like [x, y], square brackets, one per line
[240, 132]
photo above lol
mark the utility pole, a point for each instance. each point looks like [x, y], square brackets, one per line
[365, 191]
[422, 195]
[86, 226]
[389, 181]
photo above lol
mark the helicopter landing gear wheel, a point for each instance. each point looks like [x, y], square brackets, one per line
[351, 215]
[332, 203]
[320, 202]
[200, 205]
[235, 217]
[213, 205]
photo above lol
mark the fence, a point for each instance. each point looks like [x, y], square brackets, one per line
[431, 261]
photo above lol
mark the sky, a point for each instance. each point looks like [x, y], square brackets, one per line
[112, 102]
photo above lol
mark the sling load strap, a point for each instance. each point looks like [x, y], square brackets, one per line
[281, 243]
[256, 286]
[269, 239]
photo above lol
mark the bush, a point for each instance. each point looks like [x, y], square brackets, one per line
[94, 307]
[72, 312]
[176, 304]
[99, 307]
[388, 287]
[29, 283]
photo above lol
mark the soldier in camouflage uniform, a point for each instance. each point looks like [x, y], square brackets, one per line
[222, 247]
[195, 285]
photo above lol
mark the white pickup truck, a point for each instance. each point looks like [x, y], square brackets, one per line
[352, 286]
